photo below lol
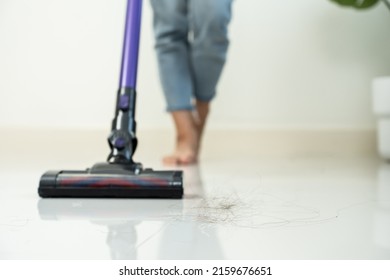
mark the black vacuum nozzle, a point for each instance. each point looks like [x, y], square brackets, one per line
[111, 180]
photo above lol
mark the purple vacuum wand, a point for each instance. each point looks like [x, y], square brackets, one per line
[128, 77]
[122, 139]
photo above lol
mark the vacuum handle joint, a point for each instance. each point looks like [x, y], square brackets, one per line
[122, 139]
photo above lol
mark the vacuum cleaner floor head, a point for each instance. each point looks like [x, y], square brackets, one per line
[112, 181]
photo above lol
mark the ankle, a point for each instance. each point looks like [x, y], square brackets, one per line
[189, 136]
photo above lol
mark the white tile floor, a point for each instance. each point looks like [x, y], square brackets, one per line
[235, 207]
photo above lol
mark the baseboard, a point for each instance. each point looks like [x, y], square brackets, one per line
[299, 143]
[218, 142]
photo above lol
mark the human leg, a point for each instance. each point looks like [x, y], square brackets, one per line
[187, 69]
[170, 25]
[171, 34]
[209, 22]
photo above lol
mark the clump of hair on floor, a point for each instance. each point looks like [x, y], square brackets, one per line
[218, 210]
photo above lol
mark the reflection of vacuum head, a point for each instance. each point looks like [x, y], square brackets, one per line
[108, 210]
[123, 221]
[120, 216]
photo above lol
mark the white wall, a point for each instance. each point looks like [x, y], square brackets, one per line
[292, 63]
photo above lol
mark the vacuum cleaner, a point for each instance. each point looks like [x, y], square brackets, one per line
[119, 176]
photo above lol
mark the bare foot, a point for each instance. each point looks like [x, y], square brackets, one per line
[189, 128]
[187, 141]
[186, 152]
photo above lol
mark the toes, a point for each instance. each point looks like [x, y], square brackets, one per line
[187, 160]
[179, 160]
[170, 160]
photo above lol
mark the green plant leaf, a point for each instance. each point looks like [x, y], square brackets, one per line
[358, 4]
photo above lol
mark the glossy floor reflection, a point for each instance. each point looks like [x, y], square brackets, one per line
[239, 208]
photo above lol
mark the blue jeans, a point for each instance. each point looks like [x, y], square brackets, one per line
[191, 44]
